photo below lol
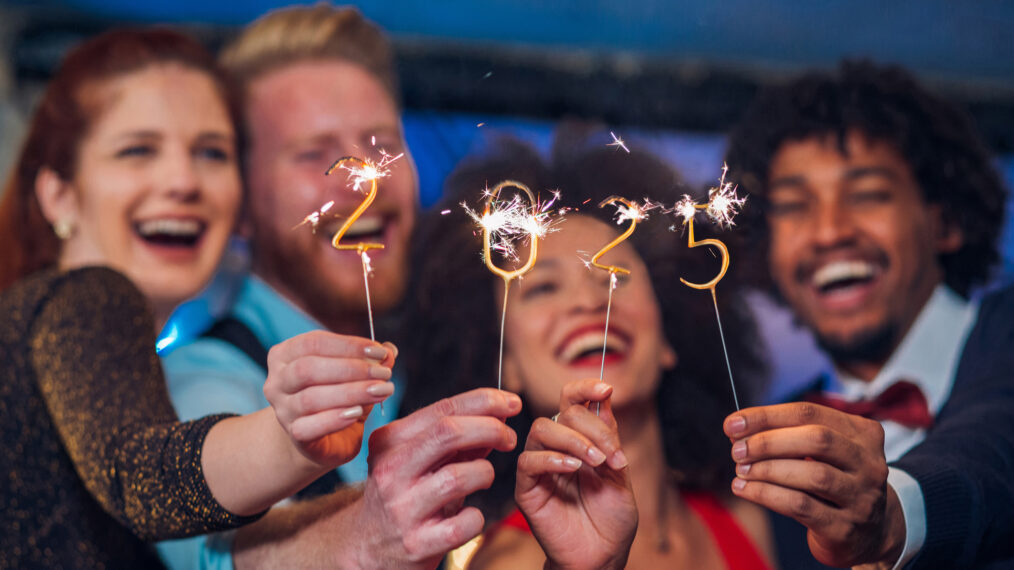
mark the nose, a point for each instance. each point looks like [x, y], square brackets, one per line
[178, 176]
[832, 225]
[591, 294]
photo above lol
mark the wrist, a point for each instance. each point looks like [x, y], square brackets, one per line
[894, 530]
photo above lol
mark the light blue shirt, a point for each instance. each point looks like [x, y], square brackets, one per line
[210, 376]
[928, 356]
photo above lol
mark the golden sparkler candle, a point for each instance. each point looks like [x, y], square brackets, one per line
[721, 207]
[503, 222]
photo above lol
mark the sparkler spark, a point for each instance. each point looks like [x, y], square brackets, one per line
[618, 142]
[503, 222]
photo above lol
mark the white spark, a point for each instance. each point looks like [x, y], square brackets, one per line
[509, 221]
[365, 170]
[618, 142]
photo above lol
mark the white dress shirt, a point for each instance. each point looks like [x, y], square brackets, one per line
[928, 357]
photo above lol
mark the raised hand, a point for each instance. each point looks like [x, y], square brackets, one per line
[827, 470]
[573, 483]
[322, 386]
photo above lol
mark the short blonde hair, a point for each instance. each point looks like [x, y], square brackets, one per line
[306, 33]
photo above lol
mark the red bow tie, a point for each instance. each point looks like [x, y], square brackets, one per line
[902, 402]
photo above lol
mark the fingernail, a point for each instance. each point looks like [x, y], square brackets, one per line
[380, 389]
[595, 456]
[394, 347]
[354, 412]
[572, 463]
[602, 388]
[380, 372]
[737, 425]
[739, 450]
[738, 484]
[513, 402]
[618, 460]
[377, 353]
[742, 468]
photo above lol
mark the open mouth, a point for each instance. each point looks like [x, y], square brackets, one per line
[843, 276]
[365, 229]
[583, 347]
[171, 232]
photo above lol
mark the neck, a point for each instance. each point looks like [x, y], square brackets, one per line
[643, 444]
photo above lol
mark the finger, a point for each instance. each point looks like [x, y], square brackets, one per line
[319, 398]
[532, 464]
[549, 435]
[479, 402]
[749, 421]
[392, 354]
[580, 392]
[450, 484]
[324, 343]
[437, 538]
[603, 436]
[310, 428]
[816, 441]
[453, 435]
[807, 510]
[813, 477]
[318, 370]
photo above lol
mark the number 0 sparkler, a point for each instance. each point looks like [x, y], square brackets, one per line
[721, 208]
[502, 222]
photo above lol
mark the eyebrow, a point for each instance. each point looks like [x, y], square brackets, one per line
[851, 175]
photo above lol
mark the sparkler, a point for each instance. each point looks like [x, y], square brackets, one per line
[502, 223]
[361, 171]
[625, 210]
[618, 142]
[721, 207]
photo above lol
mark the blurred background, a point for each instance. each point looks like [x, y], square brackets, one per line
[669, 76]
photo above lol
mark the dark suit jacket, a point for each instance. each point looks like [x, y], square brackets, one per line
[965, 466]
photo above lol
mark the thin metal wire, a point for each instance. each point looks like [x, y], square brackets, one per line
[725, 350]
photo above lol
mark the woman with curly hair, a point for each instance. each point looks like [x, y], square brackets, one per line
[665, 393]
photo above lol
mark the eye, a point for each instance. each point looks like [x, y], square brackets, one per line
[313, 155]
[783, 207]
[214, 153]
[873, 196]
[538, 288]
[136, 150]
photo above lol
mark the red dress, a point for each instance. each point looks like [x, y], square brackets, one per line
[737, 549]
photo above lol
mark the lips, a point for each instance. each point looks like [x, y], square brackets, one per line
[171, 232]
[583, 345]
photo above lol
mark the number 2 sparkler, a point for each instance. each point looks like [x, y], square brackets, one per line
[721, 208]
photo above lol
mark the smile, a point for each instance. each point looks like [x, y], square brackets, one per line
[171, 232]
[842, 275]
[583, 346]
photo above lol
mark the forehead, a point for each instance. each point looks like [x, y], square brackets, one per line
[823, 157]
[157, 98]
[319, 96]
[579, 236]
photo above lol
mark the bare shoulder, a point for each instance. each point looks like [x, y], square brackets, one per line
[508, 548]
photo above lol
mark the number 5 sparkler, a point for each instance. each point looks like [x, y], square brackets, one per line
[721, 207]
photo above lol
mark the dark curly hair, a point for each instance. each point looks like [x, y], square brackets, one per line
[885, 103]
[452, 313]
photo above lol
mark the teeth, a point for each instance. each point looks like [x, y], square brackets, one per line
[842, 270]
[364, 226]
[590, 341]
[169, 226]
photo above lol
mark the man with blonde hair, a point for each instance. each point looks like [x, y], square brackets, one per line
[318, 83]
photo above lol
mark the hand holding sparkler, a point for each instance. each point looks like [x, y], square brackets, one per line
[721, 208]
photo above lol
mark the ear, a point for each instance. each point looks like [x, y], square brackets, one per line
[949, 237]
[511, 374]
[56, 197]
[668, 358]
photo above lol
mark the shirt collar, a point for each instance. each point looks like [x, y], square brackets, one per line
[928, 355]
[270, 316]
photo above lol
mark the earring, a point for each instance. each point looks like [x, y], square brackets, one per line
[63, 229]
